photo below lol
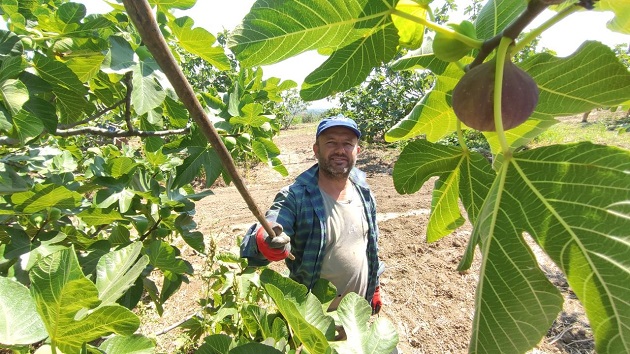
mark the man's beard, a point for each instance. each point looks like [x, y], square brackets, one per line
[334, 172]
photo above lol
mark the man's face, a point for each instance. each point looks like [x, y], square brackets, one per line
[336, 150]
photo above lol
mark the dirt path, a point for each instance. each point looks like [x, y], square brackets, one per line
[429, 302]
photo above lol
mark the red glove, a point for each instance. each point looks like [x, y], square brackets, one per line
[376, 301]
[274, 249]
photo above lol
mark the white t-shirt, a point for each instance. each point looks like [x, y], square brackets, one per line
[345, 259]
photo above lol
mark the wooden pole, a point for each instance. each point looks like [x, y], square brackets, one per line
[140, 13]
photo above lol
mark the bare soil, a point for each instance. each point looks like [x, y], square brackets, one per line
[428, 301]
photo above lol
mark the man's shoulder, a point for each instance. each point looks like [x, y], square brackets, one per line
[305, 180]
[359, 178]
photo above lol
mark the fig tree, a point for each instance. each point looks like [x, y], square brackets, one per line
[473, 96]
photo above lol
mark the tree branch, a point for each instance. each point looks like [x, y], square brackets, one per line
[129, 85]
[118, 133]
[534, 8]
[91, 118]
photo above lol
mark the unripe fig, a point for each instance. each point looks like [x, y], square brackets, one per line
[54, 214]
[229, 142]
[446, 47]
[473, 96]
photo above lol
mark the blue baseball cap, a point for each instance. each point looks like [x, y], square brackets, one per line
[338, 121]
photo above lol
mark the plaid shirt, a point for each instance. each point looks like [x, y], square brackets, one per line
[299, 209]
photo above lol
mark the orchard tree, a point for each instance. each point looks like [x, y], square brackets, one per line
[573, 200]
[383, 99]
[292, 105]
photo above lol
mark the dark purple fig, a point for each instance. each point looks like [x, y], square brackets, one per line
[473, 96]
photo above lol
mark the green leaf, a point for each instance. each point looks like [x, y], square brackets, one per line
[121, 166]
[215, 344]
[41, 111]
[167, 258]
[117, 271]
[380, 336]
[301, 309]
[523, 134]
[86, 67]
[253, 347]
[268, 152]
[165, 5]
[14, 95]
[445, 216]
[433, 114]
[621, 8]
[496, 15]
[20, 323]
[359, 34]
[10, 181]
[27, 126]
[274, 31]
[67, 87]
[252, 115]
[465, 175]
[134, 344]
[11, 67]
[411, 33]
[120, 57]
[64, 296]
[198, 157]
[350, 65]
[147, 92]
[198, 41]
[44, 196]
[177, 113]
[184, 223]
[98, 216]
[107, 197]
[70, 13]
[592, 77]
[572, 200]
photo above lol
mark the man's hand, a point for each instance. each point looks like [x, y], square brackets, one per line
[376, 301]
[274, 248]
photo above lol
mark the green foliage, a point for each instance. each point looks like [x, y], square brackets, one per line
[267, 312]
[97, 157]
[290, 108]
[572, 199]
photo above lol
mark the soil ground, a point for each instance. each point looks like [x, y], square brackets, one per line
[428, 301]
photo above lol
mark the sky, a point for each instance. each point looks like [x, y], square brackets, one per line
[215, 15]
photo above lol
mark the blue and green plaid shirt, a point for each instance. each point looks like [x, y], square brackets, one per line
[299, 209]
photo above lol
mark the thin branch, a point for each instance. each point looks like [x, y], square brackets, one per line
[91, 118]
[5, 140]
[153, 228]
[534, 8]
[98, 229]
[179, 323]
[118, 133]
[129, 85]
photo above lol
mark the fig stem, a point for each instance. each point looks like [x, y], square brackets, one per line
[530, 36]
[460, 137]
[534, 8]
[498, 92]
[471, 42]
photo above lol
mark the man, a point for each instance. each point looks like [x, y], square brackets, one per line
[326, 219]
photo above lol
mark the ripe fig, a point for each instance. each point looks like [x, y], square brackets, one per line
[473, 96]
